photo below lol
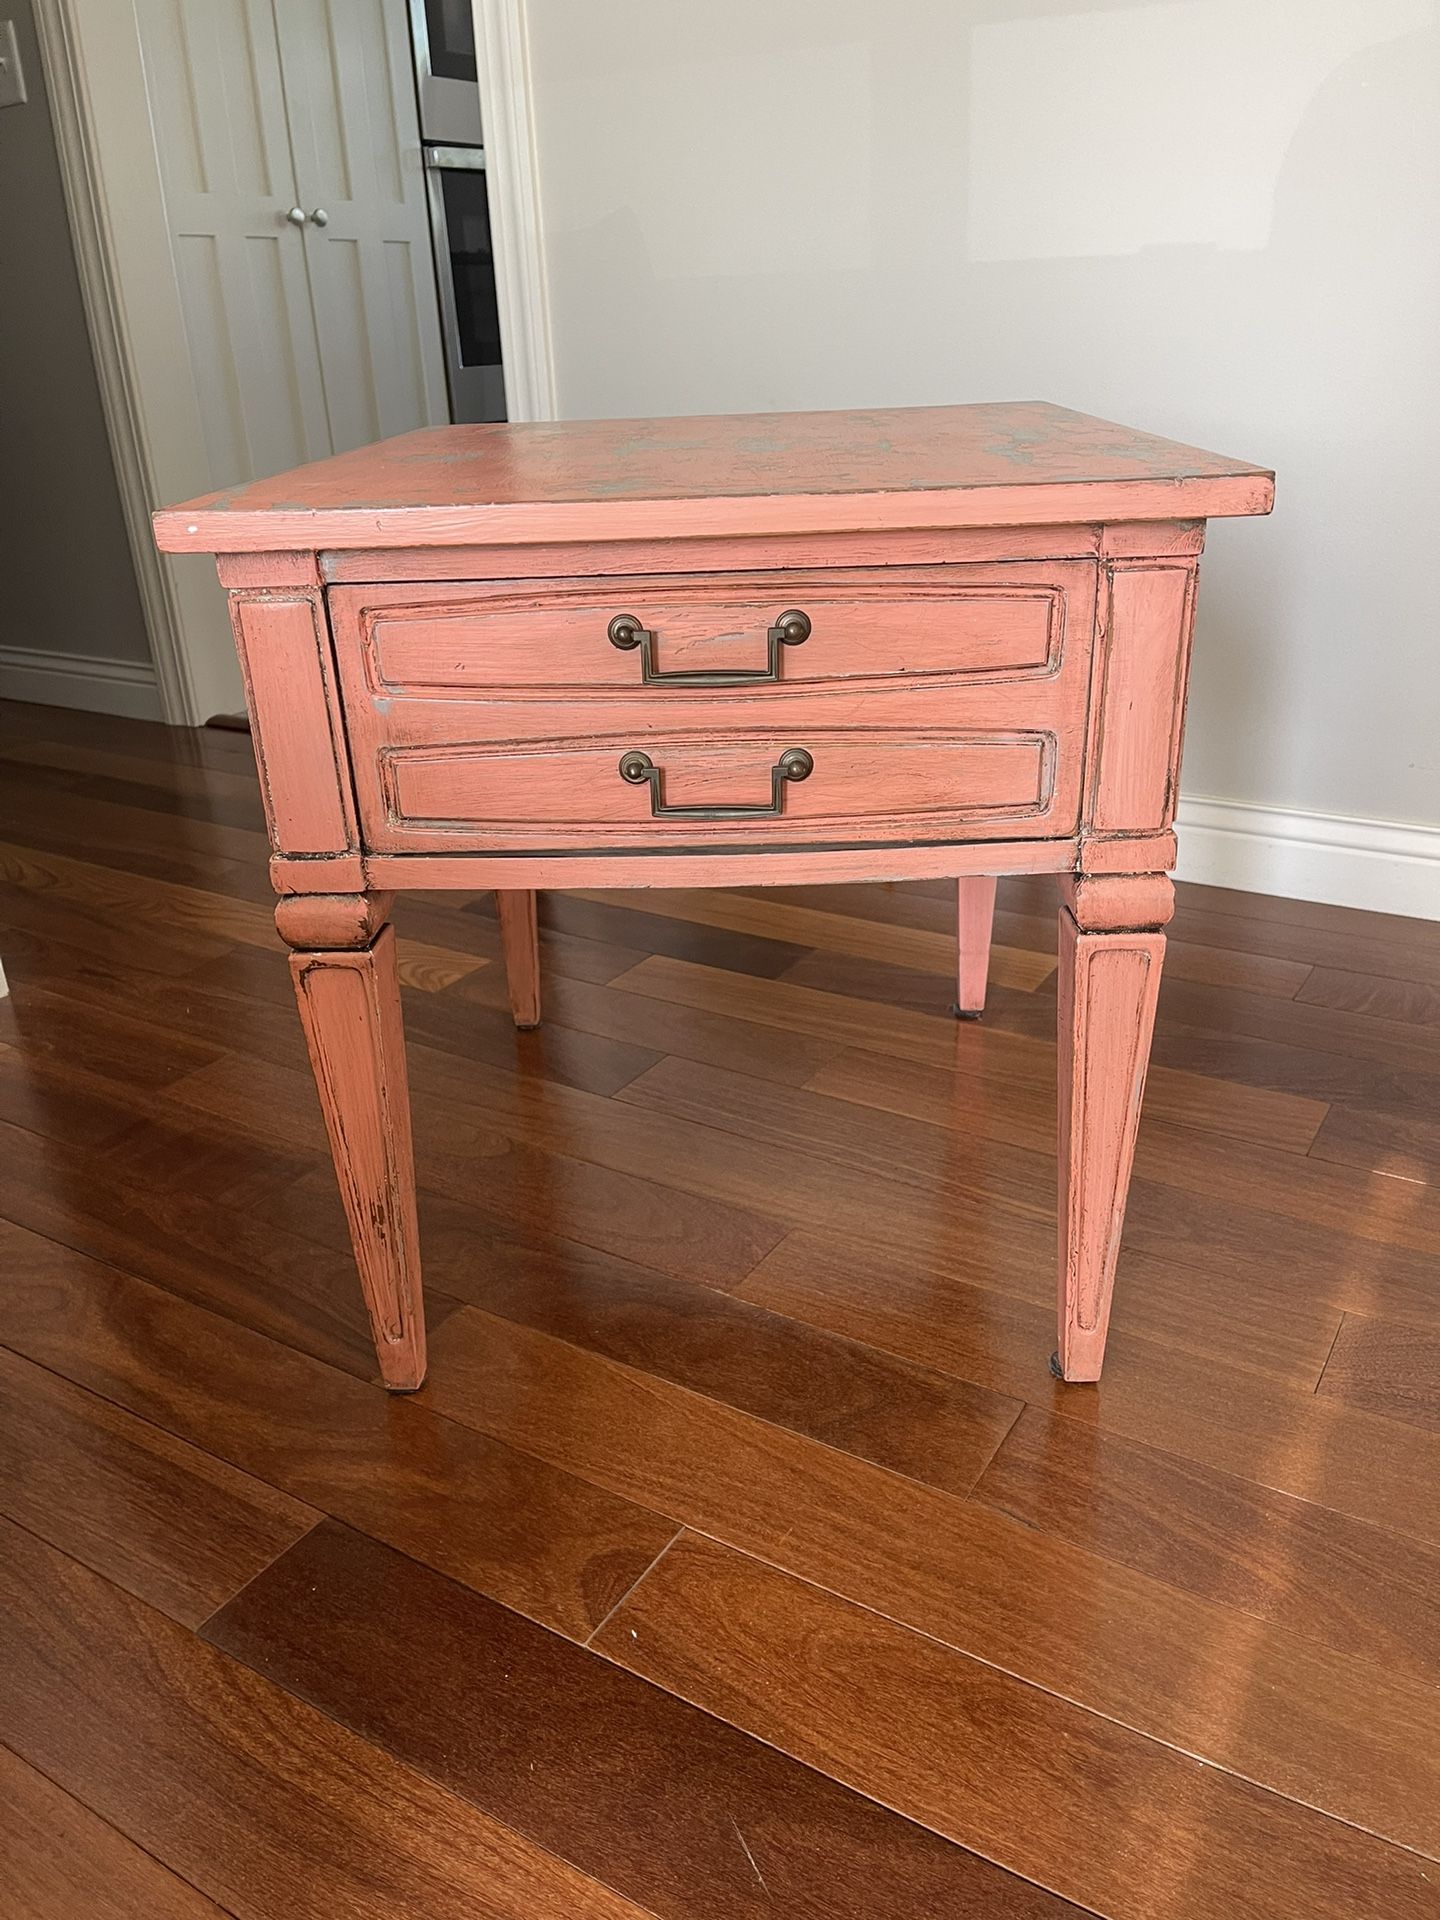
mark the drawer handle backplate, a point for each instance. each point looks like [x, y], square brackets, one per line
[794, 764]
[788, 631]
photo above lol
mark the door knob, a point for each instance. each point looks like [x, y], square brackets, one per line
[320, 217]
[296, 216]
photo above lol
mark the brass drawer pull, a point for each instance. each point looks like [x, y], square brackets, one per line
[794, 764]
[788, 631]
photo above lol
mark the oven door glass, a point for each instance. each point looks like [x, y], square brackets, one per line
[450, 28]
[477, 385]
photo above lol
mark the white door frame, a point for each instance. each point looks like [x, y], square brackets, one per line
[502, 45]
[92, 59]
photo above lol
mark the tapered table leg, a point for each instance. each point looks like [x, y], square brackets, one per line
[520, 944]
[1108, 982]
[348, 991]
[975, 917]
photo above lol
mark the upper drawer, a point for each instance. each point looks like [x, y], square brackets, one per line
[442, 641]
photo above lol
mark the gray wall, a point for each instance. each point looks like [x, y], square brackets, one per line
[68, 581]
[1215, 219]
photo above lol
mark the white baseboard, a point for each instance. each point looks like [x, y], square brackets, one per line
[80, 680]
[1377, 864]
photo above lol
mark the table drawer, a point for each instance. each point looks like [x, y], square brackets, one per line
[447, 641]
[900, 704]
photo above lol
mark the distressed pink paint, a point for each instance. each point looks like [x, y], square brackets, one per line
[1107, 990]
[895, 546]
[1141, 662]
[520, 945]
[1000, 601]
[1021, 463]
[975, 916]
[864, 625]
[350, 1009]
[935, 702]
[284, 646]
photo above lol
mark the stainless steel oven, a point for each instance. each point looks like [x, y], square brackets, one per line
[453, 144]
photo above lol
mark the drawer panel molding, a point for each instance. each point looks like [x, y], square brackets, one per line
[568, 792]
[559, 636]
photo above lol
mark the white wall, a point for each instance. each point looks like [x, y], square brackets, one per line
[1215, 219]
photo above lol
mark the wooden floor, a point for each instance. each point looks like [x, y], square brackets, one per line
[741, 1556]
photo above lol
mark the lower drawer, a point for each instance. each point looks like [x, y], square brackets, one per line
[688, 788]
[815, 769]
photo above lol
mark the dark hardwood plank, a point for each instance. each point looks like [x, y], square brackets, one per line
[195, 1157]
[563, 955]
[1411, 1002]
[62, 1102]
[24, 722]
[1386, 1368]
[169, 1523]
[828, 1017]
[1262, 1016]
[1289, 1067]
[469, 921]
[134, 1053]
[45, 810]
[1266, 1041]
[244, 1264]
[1000, 1311]
[140, 908]
[917, 1422]
[970, 1140]
[1005, 1083]
[59, 1862]
[1122, 1825]
[1352, 1586]
[860, 1140]
[1273, 912]
[542, 1541]
[715, 1039]
[205, 793]
[598, 1187]
[1389, 944]
[669, 1806]
[1173, 1200]
[933, 1039]
[1220, 1414]
[1262, 1177]
[881, 901]
[1401, 1145]
[1032, 931]
[261, 1802]
[1334, 1731]
[886, 983]
[758, 915]
[632, 924]
[551, 1052]
[203, 1006]
[67, 960]
[1218, 1232]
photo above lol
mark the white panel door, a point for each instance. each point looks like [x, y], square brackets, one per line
[217, 105]
[350, 98]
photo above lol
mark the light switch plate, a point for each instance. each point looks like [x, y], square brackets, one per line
[12, 74]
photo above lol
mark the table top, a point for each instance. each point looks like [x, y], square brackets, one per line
[1017, 463]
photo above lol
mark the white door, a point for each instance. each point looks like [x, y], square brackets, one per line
[217, 105]
[350, 101]
[290, 156]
